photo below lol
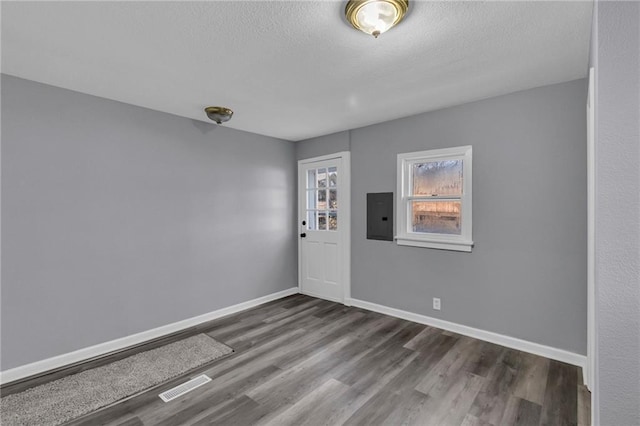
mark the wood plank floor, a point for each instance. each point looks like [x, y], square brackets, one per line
[306, 361]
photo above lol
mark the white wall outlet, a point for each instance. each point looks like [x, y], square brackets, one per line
[436, 303]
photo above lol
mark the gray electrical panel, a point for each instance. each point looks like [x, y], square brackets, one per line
[380, 216]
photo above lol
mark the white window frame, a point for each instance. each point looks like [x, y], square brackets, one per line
[404, 235]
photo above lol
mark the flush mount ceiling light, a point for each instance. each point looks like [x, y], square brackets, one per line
[375, 16]
[218, 114]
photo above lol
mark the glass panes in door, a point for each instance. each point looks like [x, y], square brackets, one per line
[333, 176]
[322, 199]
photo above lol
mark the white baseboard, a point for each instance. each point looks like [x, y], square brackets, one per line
[317, 296]
[84, 354]
[487, 336]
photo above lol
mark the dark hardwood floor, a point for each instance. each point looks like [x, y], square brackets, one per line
[306, 361]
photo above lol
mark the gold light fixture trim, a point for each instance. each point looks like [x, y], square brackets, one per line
[219, 114]
[375, 16]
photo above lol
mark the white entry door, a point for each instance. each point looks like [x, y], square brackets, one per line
[324, 227]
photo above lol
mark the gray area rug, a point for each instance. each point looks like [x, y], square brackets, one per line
[64, 399]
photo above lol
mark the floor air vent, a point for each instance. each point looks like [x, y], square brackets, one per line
[180, 390]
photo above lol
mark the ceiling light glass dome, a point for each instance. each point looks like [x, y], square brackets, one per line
[375, 16]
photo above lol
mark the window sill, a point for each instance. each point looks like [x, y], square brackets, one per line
[465, 246]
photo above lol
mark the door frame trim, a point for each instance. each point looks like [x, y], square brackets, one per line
[590, 373]
[345, 211]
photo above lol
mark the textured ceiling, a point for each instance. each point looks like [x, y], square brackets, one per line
[294, 69]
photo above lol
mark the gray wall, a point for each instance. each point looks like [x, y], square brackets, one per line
[323, 145]
[526, 276]
[616, 42]
[118, 219]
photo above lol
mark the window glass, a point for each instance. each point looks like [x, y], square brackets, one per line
[333, 176]
[322, 199]
[311, 199]
[322, 221]
[440, 217]
[311, 179]
[321, 178]
[333, 199]
[436, 178]
[312, 221]
[333, 221]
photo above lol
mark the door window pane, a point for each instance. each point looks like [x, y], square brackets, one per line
[333, 221]
[311, 199]
[322, 221]
[441, 217]
[311, 221]
[311, 178]
[333, 198]
[333, 176]
[321, 178]
[322, 199]
[437, 178]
